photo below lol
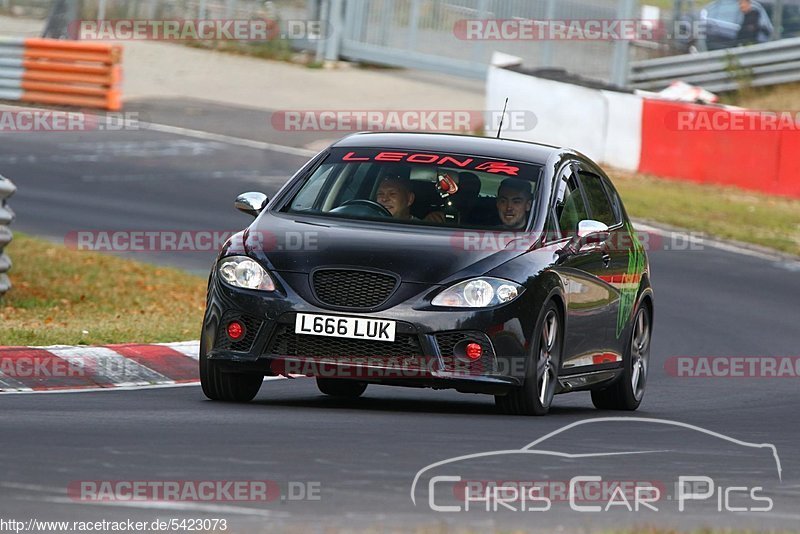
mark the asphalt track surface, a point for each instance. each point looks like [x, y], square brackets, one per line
[363, 455]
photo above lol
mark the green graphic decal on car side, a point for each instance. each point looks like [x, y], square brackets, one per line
[630, 280]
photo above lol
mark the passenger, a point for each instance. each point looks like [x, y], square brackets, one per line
[752, 30]
[395, 194]
[464, 200]
[514, 201]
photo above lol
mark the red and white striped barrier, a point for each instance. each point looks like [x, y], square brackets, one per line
[643, 133]
[62, 367]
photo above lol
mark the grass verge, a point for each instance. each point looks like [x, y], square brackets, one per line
[63, 296]
[724, 212]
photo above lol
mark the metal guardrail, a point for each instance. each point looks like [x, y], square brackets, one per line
[6, 216]
[759, 65]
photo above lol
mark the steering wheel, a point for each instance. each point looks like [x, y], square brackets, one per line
[363, 208]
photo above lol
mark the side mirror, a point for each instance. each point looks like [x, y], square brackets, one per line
[251, 203]
[590, 232]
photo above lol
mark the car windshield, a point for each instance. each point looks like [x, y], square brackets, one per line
[432, 189]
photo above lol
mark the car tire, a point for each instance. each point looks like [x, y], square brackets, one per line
[221, 386]
[627, 392]
[541, 380]
[337, 387]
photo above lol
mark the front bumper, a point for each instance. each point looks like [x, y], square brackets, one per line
[421, 356]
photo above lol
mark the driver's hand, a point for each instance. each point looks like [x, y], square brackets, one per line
[435, 216]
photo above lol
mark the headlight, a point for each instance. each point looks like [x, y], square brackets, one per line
[241, 271]
[478, 293]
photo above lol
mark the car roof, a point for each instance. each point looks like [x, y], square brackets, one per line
[511, 149]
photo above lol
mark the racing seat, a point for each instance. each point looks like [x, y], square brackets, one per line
[484, 213]
[426, 198]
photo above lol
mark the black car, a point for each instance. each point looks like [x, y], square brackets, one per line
[428, 260]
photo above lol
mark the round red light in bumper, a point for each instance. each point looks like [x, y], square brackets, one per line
[474, 351]
[235, 330]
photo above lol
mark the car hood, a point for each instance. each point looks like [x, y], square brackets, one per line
[424, 255]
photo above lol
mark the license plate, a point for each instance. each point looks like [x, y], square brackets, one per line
[350, 327]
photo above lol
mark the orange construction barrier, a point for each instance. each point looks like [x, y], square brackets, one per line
[68, 73]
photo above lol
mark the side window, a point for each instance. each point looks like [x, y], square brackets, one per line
[306, 199]
[599, 203]
[569, 208]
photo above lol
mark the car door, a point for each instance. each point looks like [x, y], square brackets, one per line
[590, 300]
[620, 272]
[722, 22]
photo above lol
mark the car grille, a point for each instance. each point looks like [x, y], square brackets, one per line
[342, 288]
[251, 325]
[404, 350]
[447, 342]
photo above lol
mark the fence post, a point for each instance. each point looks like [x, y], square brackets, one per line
[546, 46]
[777, 16]
[6, 216]
[413, 25]
[620, 59]
[325, 19]
[334, 37]
[479, 47]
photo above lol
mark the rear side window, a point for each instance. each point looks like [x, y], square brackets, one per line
[599, 203]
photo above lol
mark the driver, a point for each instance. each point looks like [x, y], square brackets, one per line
[395, 194]
[514, 201]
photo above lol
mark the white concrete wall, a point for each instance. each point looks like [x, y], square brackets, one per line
[623, 146]
[604, 125]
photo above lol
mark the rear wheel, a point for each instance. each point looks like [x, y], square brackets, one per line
[627, 393]
[337, 387]
[536, 395]
[231, 387]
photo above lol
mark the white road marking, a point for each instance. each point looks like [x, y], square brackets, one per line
[96, 389]
[199, 134]
[236, 141]
[692, 237]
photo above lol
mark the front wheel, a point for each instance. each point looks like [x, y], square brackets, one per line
[349, 389]
[541, 380]
[627, 393]
[230, 387]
